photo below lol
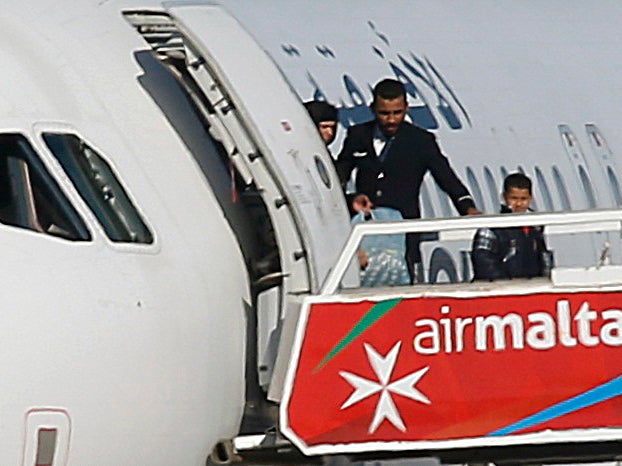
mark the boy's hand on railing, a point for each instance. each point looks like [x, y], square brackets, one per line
[473, 211]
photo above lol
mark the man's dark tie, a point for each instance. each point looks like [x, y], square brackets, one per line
[385, 150]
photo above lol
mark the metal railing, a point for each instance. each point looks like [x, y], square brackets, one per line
[463, 228]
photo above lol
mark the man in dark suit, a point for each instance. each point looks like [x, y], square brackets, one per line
[392, 156]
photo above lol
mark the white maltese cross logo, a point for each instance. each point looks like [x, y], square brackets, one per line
[383, 367]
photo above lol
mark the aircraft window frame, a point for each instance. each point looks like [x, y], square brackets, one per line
[492, 187]
[588, 190]
[426, 201]
[614, 185]
[476, 190]
[544, 190]
[100, 188]
[30, 197]
[443, 200]
[562, 192]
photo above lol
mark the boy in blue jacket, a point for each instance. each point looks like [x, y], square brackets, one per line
[519, 252]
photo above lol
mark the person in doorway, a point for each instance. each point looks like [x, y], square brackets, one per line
[324, 115]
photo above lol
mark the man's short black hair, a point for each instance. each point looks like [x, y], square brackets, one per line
[321, 111]
[518, 181]
[389, 89]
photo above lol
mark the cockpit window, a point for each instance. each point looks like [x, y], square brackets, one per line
[29, 196]
[100, 188]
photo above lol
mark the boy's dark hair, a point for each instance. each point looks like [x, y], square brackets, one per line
[518, 181]
[321, 111]
[389, 89]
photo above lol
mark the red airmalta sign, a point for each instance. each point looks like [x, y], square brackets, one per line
[469, 370]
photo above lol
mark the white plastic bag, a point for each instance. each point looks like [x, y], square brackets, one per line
[385, 253]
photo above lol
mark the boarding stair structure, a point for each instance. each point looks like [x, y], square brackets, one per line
[511, 371]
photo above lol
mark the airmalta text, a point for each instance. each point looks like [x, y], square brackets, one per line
[538, 330]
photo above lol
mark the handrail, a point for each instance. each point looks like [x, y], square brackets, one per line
[592, 220]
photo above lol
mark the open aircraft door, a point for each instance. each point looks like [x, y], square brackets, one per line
[273, 146]
[270, 140]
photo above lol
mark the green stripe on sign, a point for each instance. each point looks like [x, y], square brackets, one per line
[369, 319]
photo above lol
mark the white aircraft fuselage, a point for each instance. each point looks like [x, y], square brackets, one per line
[117, 341]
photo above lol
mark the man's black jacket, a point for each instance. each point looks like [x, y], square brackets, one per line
[396, 182]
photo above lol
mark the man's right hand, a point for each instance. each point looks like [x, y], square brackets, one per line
[362, 203]
[473, 211]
